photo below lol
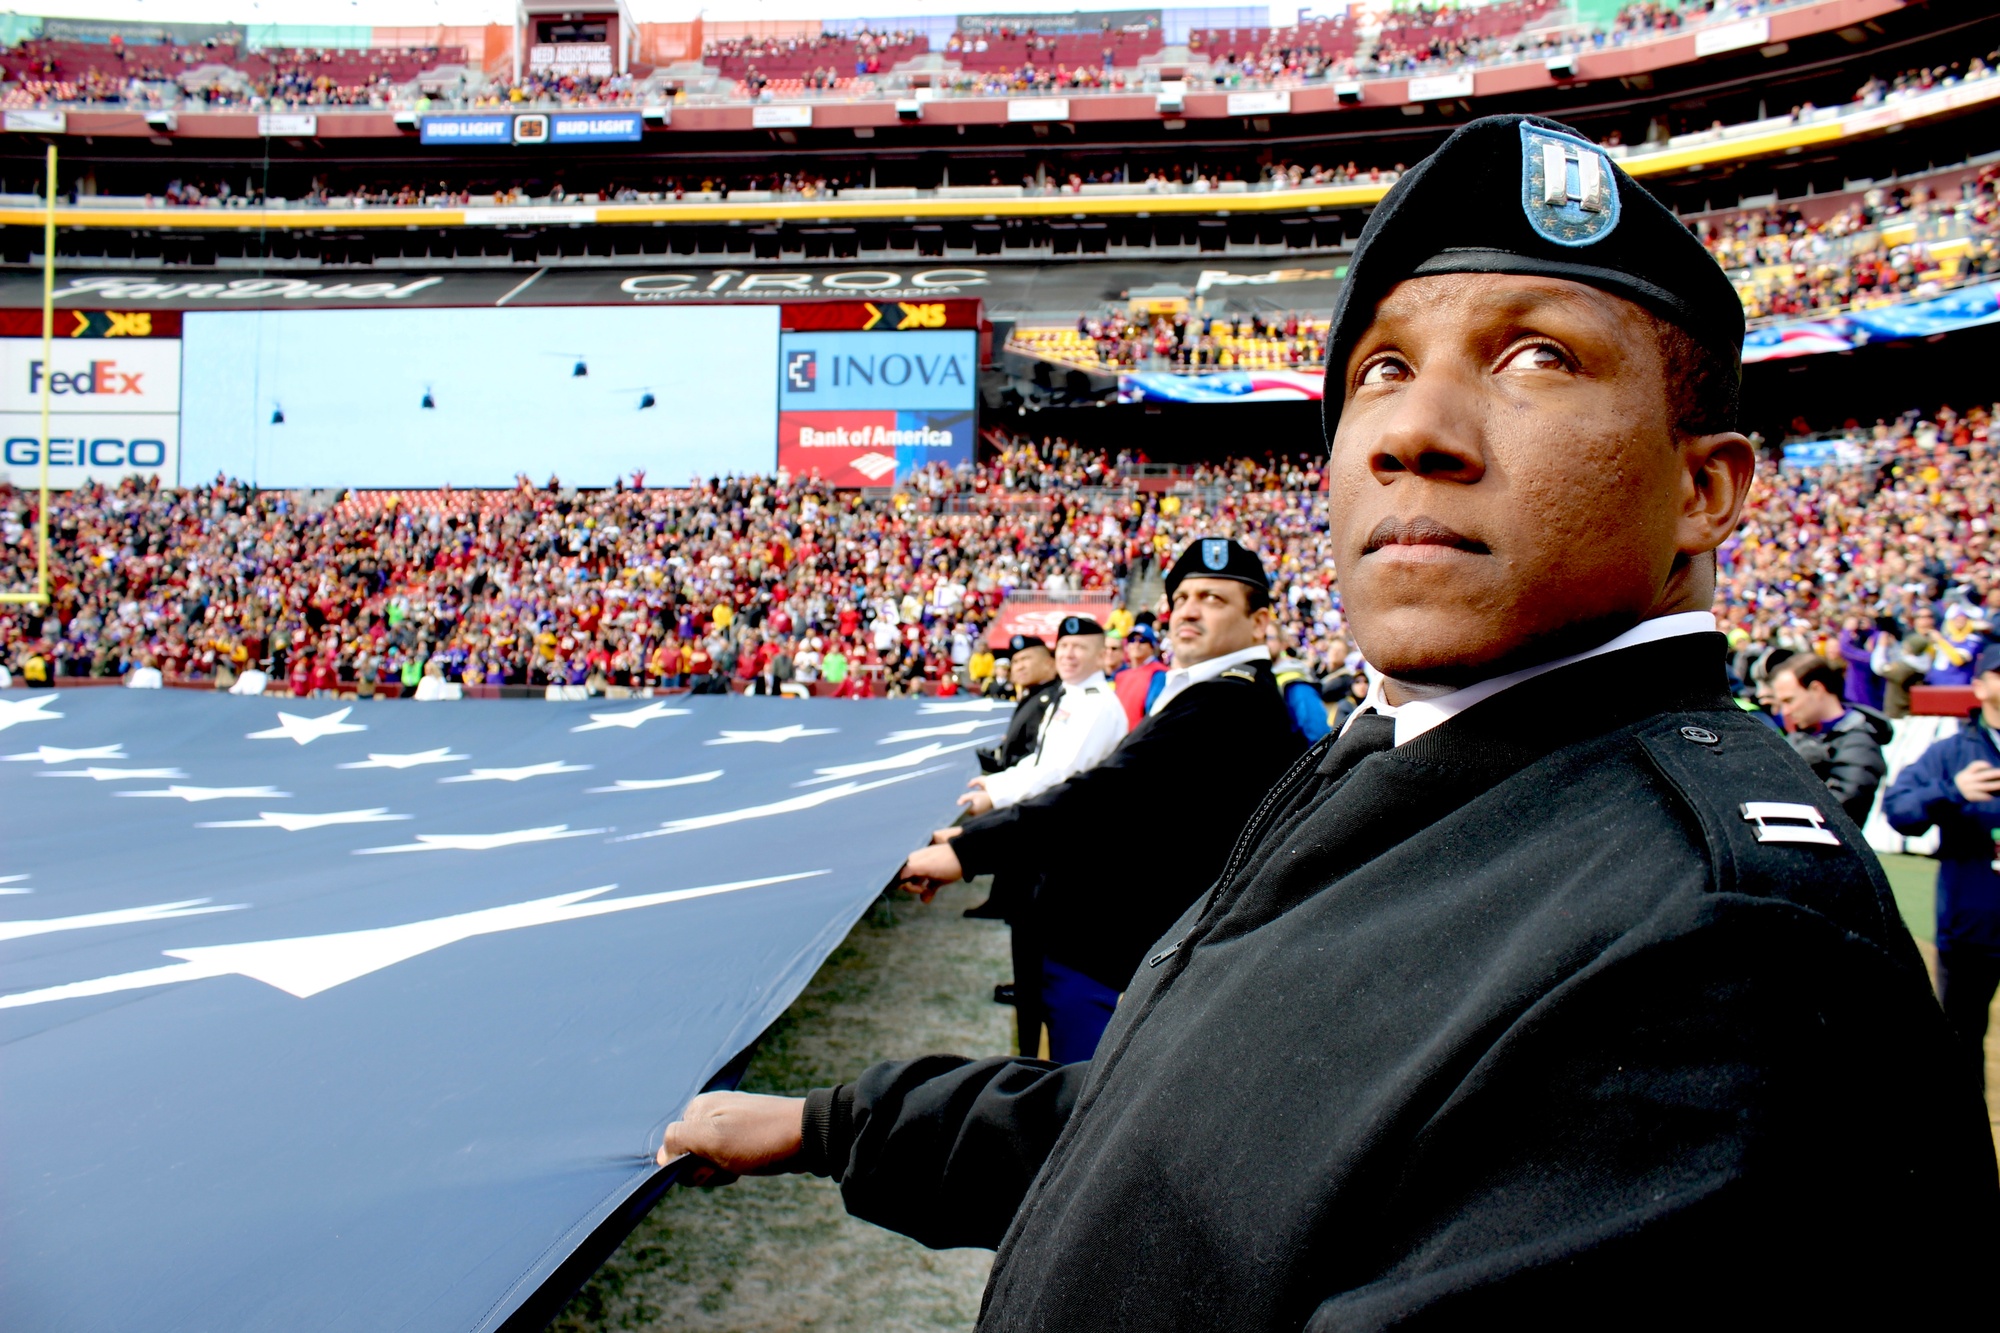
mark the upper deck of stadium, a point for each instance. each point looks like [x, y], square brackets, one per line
[88, 79]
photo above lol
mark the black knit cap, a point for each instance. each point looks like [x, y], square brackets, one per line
[1489, 201]
[1218, 558]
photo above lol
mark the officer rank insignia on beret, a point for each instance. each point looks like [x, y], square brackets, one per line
[1528, 196]
[1218, 558]
[1078, 625]
[1567, 189]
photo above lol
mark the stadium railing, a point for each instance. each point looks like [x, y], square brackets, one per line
[1775, 136]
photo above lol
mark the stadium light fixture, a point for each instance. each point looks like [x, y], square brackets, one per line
[40, 596]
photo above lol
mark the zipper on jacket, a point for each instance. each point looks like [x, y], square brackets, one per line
[1280, 792]
[1253, 830]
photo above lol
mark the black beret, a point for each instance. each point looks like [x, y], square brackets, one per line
[1075, 626]
[1021, 642]
[1218, 558]
[1530, 196]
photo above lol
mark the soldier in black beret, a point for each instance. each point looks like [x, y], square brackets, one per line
[1032, 673]
[1031, 670]
[1555, 988]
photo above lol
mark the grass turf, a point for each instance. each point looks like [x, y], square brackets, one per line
[779, 1252]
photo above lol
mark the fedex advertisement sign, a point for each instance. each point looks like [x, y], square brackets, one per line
[100, 377]
[113, 411]
[143, 375]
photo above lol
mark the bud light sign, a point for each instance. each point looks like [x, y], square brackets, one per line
[869, 409]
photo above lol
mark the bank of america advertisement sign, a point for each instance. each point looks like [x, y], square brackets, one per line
[866, 409]
[114, 410]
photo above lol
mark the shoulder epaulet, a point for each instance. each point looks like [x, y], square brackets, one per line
[1772, 828]
[1237, 673]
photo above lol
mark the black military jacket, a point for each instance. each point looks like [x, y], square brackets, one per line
[1520, 1019]
[1024, 728]
[1211, 752]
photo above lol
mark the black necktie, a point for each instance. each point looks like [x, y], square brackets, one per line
[1366, 734]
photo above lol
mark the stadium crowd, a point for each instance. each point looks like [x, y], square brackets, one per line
[1887, 564]
[1416, 40]
[1786, 263]
[1188, 342]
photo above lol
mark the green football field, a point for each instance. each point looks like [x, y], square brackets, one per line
[1914, 878]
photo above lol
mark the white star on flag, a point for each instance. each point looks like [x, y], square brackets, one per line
[791, 805]
[775, 736]
[630, 718]
[943, 729]
[15, 930]
[13, 879]
[211, 793]
[306, 730]
[96, 774]
[441, 755]
[518, 774]
[907, 759]
[966, 706]
[295, 823]
[14, 712]
[654, 784]
[481, 842]
[308, 964]
[55, 754]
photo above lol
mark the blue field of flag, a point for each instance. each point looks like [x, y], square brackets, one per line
[324, 1015]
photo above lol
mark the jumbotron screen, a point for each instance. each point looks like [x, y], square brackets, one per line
[424, 397]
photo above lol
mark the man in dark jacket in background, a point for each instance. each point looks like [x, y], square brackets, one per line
[1556, 992]
[1841, 742]
[1955, 786]
[1031, 674]
[1219, 723]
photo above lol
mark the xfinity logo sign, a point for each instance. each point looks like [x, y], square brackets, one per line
[102, 377]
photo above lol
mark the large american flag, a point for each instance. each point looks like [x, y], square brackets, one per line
[363, 1016]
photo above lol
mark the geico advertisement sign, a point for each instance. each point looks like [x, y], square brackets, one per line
[923, 371]
[95, 375]
[870, 448]
[83, 448]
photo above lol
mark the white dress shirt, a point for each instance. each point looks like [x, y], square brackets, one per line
[1418, 716]
[1179, 678]
[1086, 724]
